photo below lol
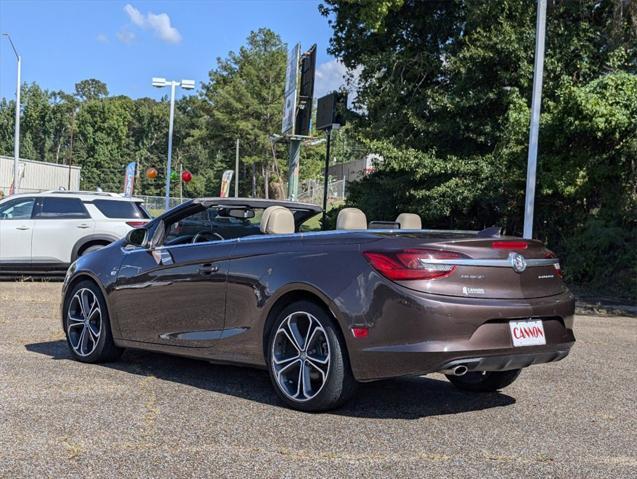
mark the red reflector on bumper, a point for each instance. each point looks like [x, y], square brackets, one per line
[360, 332]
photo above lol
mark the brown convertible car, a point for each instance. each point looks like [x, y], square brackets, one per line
[240, 281]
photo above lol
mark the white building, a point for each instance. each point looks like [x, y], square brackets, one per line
[38, 176]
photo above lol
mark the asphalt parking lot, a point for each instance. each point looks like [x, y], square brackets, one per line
[157, 416]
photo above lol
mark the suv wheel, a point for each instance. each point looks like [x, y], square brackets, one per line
[307, 359]
[87, 326]
[91, 249]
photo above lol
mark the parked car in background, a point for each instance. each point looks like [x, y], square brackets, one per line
[236, 280]
[43, 233]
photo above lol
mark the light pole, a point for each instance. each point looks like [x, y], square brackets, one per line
[16, 140]
[529, 200]
[186, 85]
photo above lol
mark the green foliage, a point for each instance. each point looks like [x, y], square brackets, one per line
[102, 143]
[244, 100]
[91, 89]
[447, 87]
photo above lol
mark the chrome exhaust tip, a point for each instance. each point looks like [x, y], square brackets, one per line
[459, 370]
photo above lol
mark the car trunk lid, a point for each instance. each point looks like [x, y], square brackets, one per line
[490, 268]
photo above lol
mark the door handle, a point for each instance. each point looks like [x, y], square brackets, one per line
[207, 269]
[83, 226]
[23, 228]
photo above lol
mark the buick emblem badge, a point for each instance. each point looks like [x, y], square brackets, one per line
[518, 263]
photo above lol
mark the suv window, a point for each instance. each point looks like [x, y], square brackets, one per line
[120, 209]
[61, 208]
[18, 209]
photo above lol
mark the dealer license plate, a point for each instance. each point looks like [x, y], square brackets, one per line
[527, 333]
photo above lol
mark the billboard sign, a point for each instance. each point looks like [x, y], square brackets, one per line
[291, 90]
[306, 92]
[129, 179]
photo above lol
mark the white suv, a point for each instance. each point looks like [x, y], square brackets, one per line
[45, 232]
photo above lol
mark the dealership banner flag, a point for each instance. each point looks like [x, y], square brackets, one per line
[13, 187]
[129, 179]
[225, 183]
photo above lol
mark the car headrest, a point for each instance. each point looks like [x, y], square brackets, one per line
[409, 221]
[266, 216]
[351, 219]
[280, 221]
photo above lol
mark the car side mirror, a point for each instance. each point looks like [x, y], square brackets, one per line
[137, 237]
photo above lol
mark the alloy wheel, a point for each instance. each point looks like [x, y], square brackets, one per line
[84, 322]
[300, 356]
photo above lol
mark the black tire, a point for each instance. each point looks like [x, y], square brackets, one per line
[338, 383]
[91, 249]
[101, 350]
[486, 381]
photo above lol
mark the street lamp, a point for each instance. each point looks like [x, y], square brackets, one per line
[538, 72]
[16, 139]
[186, 85]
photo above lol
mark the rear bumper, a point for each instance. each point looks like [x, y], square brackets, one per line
[507, 362]
[421, 333]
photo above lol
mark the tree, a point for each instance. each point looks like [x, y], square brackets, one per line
[446, 86]
[91, 89]
[245, 99]
[103, 145]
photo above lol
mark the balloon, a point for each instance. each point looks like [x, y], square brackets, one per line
[186, 176]
[151, 173]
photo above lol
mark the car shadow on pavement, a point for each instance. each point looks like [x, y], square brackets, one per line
[402, 398]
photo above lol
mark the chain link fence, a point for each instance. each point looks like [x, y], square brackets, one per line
[312, 191]
[155, 205]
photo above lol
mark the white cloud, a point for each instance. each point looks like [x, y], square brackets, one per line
[135, 15]
[160, 23]
[102, 38]
[125, 36]
[333, 75]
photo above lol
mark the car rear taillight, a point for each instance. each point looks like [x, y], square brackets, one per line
[137, 224]
[509, 245]
[558, 268]
[411, 264]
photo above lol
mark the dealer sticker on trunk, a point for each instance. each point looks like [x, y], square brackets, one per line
[527, 333]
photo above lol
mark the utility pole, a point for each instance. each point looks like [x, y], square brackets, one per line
[181, 183]
[236, 171]
[16, 139]
[325, 177]
[71, 151]
[266, 180]
[294, 157]
[538, 71]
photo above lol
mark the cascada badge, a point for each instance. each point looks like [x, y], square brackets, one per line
[518, 263]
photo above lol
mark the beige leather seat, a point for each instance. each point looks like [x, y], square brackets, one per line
[409, 221]
[266, 215]
[277, 220]
[351, 219]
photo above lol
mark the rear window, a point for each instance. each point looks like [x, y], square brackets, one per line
[120, 209]
[61, 208]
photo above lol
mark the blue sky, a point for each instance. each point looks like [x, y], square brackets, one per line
[126, 43]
